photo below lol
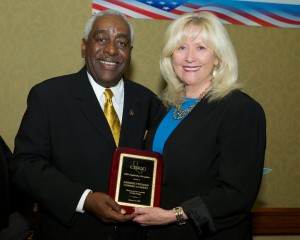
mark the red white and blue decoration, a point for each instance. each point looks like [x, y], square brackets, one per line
[269, 13]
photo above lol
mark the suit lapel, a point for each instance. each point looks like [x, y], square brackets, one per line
[131, 112]
[90, 107]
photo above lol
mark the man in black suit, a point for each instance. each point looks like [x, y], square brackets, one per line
[64, 146]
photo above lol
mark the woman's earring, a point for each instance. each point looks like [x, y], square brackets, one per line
[214, 72]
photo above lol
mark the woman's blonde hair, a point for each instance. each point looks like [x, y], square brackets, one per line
[215, 37]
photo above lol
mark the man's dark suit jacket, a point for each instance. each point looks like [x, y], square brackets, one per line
[213, 163]
[64, 146]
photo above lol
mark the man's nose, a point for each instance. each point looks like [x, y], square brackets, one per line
[111, 48]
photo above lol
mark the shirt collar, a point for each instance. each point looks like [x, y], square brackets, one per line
[117, 90]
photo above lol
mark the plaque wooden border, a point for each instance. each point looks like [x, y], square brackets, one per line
[116, 185]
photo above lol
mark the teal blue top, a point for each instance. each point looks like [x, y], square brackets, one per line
[167, 125]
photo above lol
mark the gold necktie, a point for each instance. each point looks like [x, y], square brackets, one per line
[111, 115]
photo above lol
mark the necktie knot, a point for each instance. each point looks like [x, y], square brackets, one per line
[108, 95]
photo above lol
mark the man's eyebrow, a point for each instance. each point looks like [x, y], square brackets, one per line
[100, 31]
[120, 35]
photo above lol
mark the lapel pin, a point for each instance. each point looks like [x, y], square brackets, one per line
[131, 112]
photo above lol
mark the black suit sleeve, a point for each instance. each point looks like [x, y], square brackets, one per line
[33, 171]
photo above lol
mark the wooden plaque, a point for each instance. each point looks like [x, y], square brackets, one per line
[135, 178]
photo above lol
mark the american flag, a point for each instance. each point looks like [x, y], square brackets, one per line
[272, 13]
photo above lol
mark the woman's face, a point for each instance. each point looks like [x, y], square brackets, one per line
[193, 63]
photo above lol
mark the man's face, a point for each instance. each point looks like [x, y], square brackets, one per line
[107, 52]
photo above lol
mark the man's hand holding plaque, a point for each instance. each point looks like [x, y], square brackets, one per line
[135, 179]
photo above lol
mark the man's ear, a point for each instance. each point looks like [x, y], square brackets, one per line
[83, 48]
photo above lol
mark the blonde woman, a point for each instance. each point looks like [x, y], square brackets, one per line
[211, 135]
